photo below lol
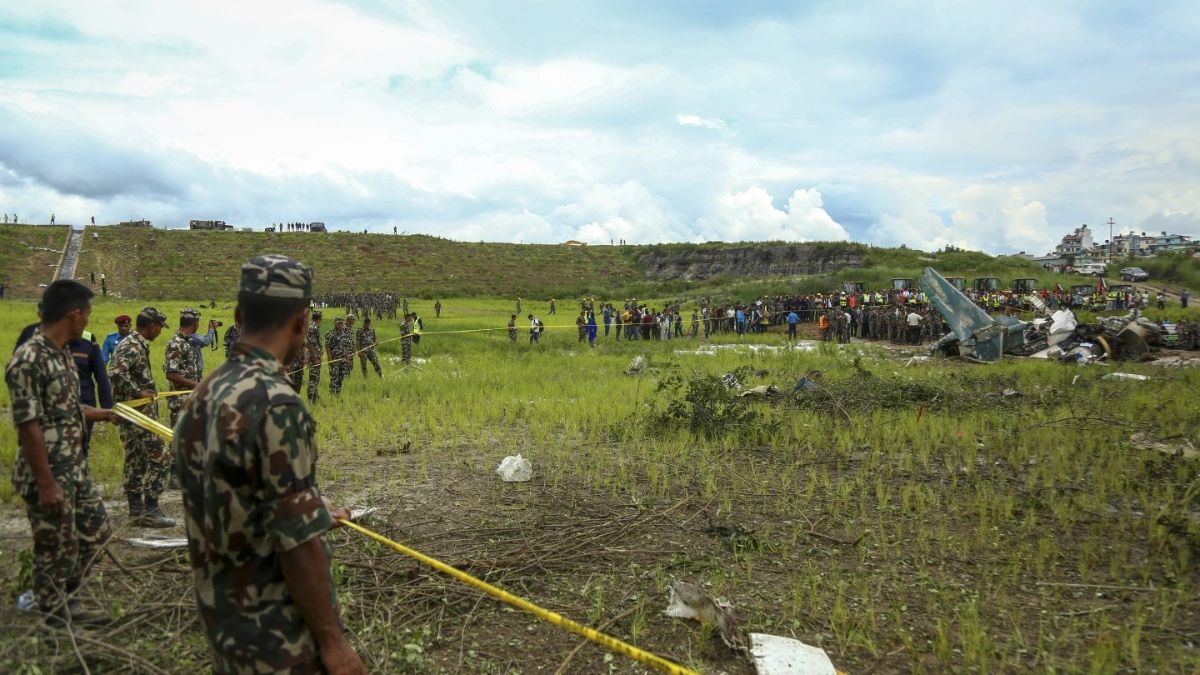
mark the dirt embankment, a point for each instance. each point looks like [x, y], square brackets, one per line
[746, 261]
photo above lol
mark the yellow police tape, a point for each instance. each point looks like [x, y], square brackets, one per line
[654, 661]
[137, 402]
[144, 421]
[639, 655]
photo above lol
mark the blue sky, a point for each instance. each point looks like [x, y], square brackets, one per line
[997, 126]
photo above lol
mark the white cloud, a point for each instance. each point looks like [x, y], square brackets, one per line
[715, 123]
[750, 215]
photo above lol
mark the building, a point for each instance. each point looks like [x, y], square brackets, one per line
[1135, 243]
[1077, 243]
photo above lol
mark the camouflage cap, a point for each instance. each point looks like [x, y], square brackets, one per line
[339, 320]
[350, 317]
[154, 315]
[189, 313]
[277, 276]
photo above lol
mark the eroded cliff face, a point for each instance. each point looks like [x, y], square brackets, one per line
[747, 261]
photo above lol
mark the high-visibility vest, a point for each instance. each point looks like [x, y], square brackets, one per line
[823, 323]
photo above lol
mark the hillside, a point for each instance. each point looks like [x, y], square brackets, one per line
[29, 256]
[156, 264]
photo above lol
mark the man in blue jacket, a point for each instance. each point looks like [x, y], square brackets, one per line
[110, 342]
[93, 379]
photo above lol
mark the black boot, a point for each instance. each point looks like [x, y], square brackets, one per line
[136, 508]
[153, 516]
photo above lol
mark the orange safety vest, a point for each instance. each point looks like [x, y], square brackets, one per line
[823, 323]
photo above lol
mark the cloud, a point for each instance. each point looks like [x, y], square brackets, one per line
[899, 123]
[715, 123]
[750, 215]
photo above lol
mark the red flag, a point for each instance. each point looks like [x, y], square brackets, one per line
[1101, 287]
[1058, 288]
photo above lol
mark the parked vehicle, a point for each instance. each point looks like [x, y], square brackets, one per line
[316, 227]
[1024, 286]
[986, 284]
[854, 287]
[958, 282]
[1134, 274]
[903, 284]
[1094, 269]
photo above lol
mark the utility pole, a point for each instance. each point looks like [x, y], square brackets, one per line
[1111, 222]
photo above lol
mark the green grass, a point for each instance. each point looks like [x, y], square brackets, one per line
[24, 261]
[956, 530]
[193, 265]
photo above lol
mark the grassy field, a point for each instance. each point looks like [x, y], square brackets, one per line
[184, 265]
[903, 518]
[28, 256]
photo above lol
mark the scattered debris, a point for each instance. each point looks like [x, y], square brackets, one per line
[637, 366]
[26, 601]
[515, 469]
[362, 512]
[916, 359]
[1126, 376]
[688, 601]
[731, 381]
[1009, 392]
[974, 335]
[775, 655]
[809, 380]
[1183, 448]
[159, 543]
[761, 391]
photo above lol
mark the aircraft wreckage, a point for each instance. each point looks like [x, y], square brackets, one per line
[977, 336]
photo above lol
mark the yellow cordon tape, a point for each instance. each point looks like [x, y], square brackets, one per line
[144, 421]
[639, 655]
[138, 402]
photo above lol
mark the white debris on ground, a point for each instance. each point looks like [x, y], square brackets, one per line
[637, 366]
[775, 655]
[515, 469]
[1131, 377]
[1183, 448]
[163, 543]
[689, 601]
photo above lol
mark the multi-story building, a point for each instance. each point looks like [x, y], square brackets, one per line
[1077, 243]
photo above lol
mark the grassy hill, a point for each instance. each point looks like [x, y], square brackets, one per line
[29, 256]
[155, 264]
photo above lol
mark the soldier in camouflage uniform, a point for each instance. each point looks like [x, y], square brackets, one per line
[147, 461]
[51, 472]
[337, 346]
[313, 353]
[365, 340]
[182, 364]
[350, 332]
[246, 451]
[406, 330]
[232, 335]
[295, 372]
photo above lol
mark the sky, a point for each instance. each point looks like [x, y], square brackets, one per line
[997, 126]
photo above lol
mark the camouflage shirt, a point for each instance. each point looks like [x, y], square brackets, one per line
[43, 385]
[130, 373]
[339, 343]
[365, 338]
[246, 452]
[312, 345]
[181, 359]
[232, 335]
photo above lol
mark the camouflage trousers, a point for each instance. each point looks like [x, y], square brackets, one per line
[338, 368]
[369, 355]
[147, 462]
[66, 545]
[175, 405]
[406, 350]
[314, 382]
[296, 378]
